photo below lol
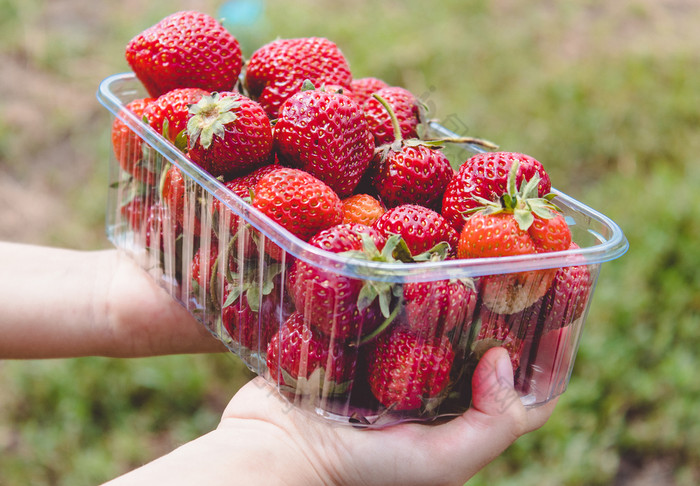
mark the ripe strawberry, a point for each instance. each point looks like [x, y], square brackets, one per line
[568, 296]
[520, 224]
[485, 177]
[362, 88]
[495, 331]
[254, 308]
[362, 208]
[324, 134]
[299, 202]
[182, 204]
[127, 145]
[341, 307]
[185, 50]
[405, 106]
[435, 308]
[277, 70]
[168, 113]
[240, 186]
[228, 134]
[409, 171]
[301, 358]
[420, 227]
[407, 371]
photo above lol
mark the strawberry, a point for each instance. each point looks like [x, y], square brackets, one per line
[325, 134]
[304, 360]
[495, 331]
[362, 208]
[405, 106]
[339, 306]
[277, 70]
[228, 134]
[185, 50]
[409, 171]
[420, 227]
[406, 371]
[168, 114]
[519, 224]
[298, 201]
[182, 204]
[435, 308]
[485, 177]
[254, 308]
[362, 88]
[568, 296]
[127, 145]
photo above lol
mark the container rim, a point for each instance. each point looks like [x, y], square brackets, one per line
[610, 246]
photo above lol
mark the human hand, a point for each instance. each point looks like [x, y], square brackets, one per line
[60, 303]
[305, 450]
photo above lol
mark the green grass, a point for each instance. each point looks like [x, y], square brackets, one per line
[605, 96]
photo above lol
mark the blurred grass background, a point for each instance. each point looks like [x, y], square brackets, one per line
[605, 94]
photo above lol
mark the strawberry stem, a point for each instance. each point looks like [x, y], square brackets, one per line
[394, 121]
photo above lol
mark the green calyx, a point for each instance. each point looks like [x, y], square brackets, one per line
[209, 117]
[524, 203]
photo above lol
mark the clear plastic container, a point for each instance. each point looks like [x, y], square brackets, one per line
[534, 305]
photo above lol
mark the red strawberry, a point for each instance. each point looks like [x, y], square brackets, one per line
[568, 297]
[253, 309]
[495, 331]
[299, 202]
[409, 171]
[420, 227]
[406, 108]
[168, 114]
[406, 371]
[301, 358]
[485, 177]
[362, 208]
[520, 224]
[437, 307]
[340, 306]
[277, 70]
[127, 145]
[362, 88]
[228, 134]
[185, 50]
[324, 134]
[183, 204]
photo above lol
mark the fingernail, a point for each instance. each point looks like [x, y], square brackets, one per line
[504, 370]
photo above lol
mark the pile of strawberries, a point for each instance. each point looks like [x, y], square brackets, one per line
[343, 163]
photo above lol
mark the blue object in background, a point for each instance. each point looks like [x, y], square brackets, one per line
[245, 19]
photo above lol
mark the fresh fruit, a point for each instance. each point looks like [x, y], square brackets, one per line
[495, 331]
[407, 371]
[405, 106]
[277, 70]
[168, 114]
[127, 146]
[298, 201]
[341, 307]
[325, 134]
[185, 50]
[485, 177]
[420, 227]
[409, 171]
[304, 360]
[228, 134]
[362, 208]
[566, 300]
[435, 308]
[520, 223]
[362, 88]
[182, 204]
